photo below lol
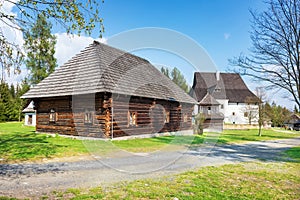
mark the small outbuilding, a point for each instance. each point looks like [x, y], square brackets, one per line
[106, 92]
[209, 107]
[293, 122]
[30, 115]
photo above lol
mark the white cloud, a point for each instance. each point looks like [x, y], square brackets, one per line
[227, 36]
[13, 35]
[69, 45]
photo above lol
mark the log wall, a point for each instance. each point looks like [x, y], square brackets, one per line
[150, 116]
[110, 115]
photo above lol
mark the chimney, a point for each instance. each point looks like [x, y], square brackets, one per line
[218, 75]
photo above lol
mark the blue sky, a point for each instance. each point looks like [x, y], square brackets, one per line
[221, 27]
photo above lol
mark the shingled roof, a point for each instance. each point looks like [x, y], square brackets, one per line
[101, 68]
[223, 86]
[208, 100]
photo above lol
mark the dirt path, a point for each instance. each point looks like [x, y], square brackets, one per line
[30, 180]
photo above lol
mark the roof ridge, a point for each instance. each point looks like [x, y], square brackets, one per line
[120, 50]
[96, 45]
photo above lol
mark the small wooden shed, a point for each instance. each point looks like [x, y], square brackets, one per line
[106, 92]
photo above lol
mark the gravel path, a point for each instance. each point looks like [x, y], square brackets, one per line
[29, 180]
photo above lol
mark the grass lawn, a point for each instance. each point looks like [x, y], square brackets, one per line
[21, 143]
[240, 181]
[294, 153]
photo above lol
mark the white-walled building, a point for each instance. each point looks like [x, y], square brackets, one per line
[237, 103]
[30, 115]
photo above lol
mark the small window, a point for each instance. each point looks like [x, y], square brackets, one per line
[88, 117]
[217, 90]
[52, 116]
[209, 108]
[233, 113]
[222, 106]
[132, 118]
[167, 116]
[246, 114]
[185, 117]
[29, 119]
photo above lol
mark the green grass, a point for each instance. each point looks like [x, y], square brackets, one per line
[21, 143]
[237, 136]
[240, 181]
[294, 153]
[228, 136]
[259, 180]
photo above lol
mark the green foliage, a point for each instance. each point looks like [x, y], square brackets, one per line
[277, 114]
[40, 48]
[76, 17]
[11, 105]
[296, 110]
[177, 77]
[165, 71]
[199, 120]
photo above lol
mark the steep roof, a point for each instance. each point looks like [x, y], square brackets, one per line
[208, 100]
[223, 86]
[29, 108]
[101, 68]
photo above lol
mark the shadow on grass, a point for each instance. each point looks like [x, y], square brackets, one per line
[193, 140]
[250, 152]
[23, 146]
[293, 153]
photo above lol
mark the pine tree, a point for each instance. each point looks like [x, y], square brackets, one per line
[165, 71]
[12, 91]
[177, 77]
[20, 103]
[296, 109]
[40, 49]
[6, 102]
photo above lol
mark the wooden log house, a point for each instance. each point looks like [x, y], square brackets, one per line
[105, 92]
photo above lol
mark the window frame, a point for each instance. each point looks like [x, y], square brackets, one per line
[53, 117]
[167, 116]
[88, 117]
[132, 121]
[185, 117]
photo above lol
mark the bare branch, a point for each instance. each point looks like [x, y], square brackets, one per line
[275, 55]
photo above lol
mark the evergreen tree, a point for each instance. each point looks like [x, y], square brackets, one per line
[277, 114]
[20, 103]
[6, 102]
[11, 104]
[296, 109]
[165, 71]
[12, 91]
[177, 77]
[40, 48]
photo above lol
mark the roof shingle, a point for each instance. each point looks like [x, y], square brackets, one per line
[229, 86]
[101, 68]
